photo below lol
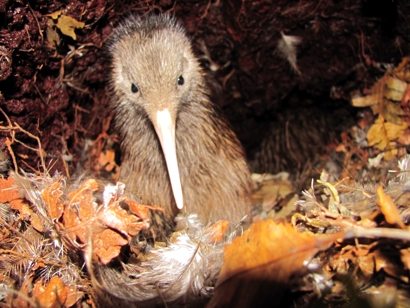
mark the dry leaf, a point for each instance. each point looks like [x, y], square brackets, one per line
[36, 222]
[217, 231]
[405, 258]
[79, 212]
[397, 85]
[274, 190]
[107, 226]
[389, 209]
[67, 25]
[382, 132]
[405, 138]
[51, 197]
[7, 193]
[54, 294]
[25, 289]
[107, 160]
[370, 259]
[10, 195]
[73, 296]
[406, 96]
[258, 265]
[392, 112]
[55, 14]
[107, 245]
[391, 151]
[52, 36]
[366, 101]
[137, 208]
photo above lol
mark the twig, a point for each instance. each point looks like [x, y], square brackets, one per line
[397, 234]
[38, 24]
[12, 129]
[8, 143]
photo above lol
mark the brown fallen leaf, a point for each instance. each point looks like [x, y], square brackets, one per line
[258, 266]
[389, 209]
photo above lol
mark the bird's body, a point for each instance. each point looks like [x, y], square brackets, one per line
[162, 109]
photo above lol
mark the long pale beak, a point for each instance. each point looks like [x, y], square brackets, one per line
[165, 129]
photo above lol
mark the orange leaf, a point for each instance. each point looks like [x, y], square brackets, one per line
[25, 289]
[141, 210]
[36, 222]
[389, 209]
[406, 96]
[54, 294]
[51, 197]
[108, 227]
[80, 211]
[217, 231]
[258, 265]
[73, 296]
[107, 245]
[7, 193]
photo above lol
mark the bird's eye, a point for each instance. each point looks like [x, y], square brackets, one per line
[134, 88]
[181, 80]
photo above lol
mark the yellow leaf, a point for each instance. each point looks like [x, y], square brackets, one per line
[393, 95]
[392, 112]
[394, 131]
[396, 84]
[55, 14]
[67, 24]
[391, 151]
[389, 209]
[380, 133]
[52, 36]
[365, 101]
[377, 135]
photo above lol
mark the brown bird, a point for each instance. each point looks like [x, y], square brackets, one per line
[179, 152]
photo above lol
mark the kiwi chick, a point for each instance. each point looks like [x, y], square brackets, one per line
[178, 151]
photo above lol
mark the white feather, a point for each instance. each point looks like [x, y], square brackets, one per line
[287, 49]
